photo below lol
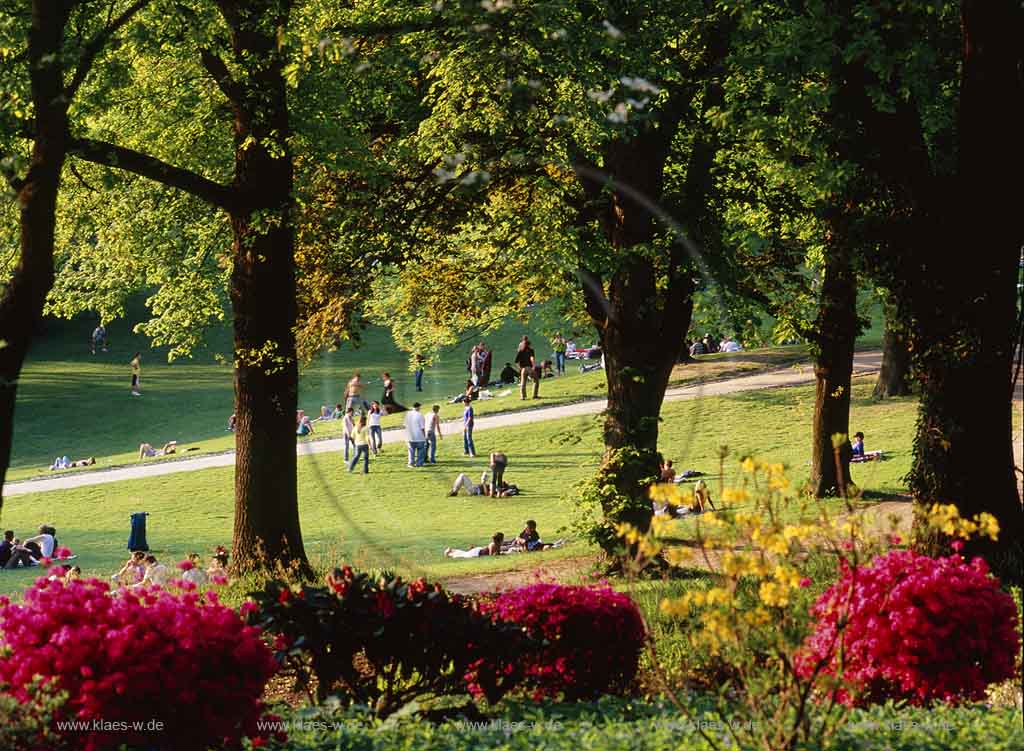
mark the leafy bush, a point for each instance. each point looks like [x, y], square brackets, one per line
[28, 720]
[592, 638]
[916, 628]
[383, 642]
[148, 667]
[620, 725]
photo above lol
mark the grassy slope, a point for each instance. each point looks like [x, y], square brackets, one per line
[402, 518]
[77, 404]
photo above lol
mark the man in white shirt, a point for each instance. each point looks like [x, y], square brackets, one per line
[416, 435]
[433, 433]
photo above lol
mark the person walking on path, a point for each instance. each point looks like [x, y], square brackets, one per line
[467, 430]
[361, 440]
[558, 346]
[136, 363]
[348, 430]
[376, 433]
[416, 435]
[526, 362]
[433, 432]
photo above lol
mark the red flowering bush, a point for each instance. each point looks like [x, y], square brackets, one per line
[384, 642]
[919, 628]
[591, 638]
[143, 667]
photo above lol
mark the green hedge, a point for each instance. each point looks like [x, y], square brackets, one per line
[611, 725]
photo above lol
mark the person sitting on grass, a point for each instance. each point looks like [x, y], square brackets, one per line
[305, 426]
[859, 454]
[157, 574]
[20, 556]
[493, 548]
[132, 572]
[508, 374]
[194, 575]
[529, 539]
[668, 472]
[218, 568]
[232, 422]
[146, 450]
[6, 547]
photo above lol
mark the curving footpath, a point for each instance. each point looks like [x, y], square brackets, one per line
[863, 364]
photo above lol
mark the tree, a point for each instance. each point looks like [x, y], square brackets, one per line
[966, 314]
[894, 374]
[605, 134]
[53, 86]
[248, 70]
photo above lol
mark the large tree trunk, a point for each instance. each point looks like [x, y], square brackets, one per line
[963, 449]
[644, 308]
[267, 533]
[894, 375]
[835, 334]
[25, 294]
[638, 324]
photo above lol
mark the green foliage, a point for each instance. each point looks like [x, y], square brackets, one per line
[28, 725]
[625, 725]
[386, 642]
[616, 493]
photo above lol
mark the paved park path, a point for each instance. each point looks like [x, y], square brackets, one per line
[863, 363]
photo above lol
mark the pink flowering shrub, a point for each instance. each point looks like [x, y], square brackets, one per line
[920, 629]
[179, 673]
[590, 638]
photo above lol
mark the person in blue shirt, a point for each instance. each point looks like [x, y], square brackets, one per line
[467, 430]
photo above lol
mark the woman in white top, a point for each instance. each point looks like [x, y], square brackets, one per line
[157, 574]
[376, 433]
[195, 575]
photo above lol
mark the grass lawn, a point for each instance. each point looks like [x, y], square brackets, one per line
[401, 518]
[73, 403]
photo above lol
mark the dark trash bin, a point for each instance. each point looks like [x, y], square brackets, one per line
[137, 537]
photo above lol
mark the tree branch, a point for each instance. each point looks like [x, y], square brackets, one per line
[119, 157]
[218, 70]
[96, 45]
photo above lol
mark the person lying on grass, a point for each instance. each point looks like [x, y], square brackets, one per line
[62, 462]
[493, 548]
[147, 450]
[501, 490]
